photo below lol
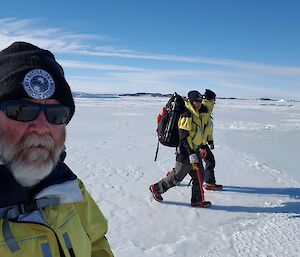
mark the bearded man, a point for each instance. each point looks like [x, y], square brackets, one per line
[45, 210]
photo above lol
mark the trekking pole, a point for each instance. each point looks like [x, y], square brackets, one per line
[196, 168]
[190, 182]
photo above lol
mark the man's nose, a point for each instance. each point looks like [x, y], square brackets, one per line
[40, 125]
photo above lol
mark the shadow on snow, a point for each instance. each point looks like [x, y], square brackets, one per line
[290, 192]
[287, 207]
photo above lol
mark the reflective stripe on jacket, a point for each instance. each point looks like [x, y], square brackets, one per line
[70, 229]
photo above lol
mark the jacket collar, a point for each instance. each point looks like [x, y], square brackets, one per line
[209, 105]
[190, 107]
[11, 192]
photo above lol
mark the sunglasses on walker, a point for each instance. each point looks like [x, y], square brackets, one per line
[25, 111]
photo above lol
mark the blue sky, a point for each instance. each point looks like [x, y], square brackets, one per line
[241, 48]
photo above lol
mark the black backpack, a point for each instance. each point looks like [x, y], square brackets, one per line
[167, 122]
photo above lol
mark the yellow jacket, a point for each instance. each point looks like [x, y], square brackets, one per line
[71, 229]
[208, 137]
[195, 124]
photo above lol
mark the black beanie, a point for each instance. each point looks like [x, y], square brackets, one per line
[209, 95]
[194, 95]
[27, 71]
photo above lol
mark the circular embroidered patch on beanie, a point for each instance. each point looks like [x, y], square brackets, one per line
[39, 84]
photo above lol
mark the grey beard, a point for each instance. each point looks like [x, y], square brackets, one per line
[29, 166]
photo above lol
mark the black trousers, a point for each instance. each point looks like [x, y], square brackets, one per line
[210, 164]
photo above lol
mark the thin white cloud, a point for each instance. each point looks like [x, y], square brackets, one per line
[220, 72]
[267, 91]
[61, 41]
[54, 39]
[118, 85]
[183, 73]
[96, 66]
[126, 75]
[153, 78]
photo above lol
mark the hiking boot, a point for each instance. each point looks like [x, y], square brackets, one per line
[214, 187]
[156, 196]
[204, 204]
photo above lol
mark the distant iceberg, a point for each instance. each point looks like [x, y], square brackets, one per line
[281, 101]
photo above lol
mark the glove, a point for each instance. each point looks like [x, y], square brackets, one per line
[202, 153]
[194, 158]
[212, 146]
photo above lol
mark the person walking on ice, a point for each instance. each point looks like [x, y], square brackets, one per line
[192, 126]
[208, 104]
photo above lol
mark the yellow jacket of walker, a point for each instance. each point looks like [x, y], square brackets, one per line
[208, 136]
[196, 124]
[75, 227]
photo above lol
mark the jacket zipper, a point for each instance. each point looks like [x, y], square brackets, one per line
[61, 252]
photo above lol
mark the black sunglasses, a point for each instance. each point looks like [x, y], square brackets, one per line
[28, 111]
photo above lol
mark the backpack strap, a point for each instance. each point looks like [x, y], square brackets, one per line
[9, 238]
[156, 153]
[14, 211]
